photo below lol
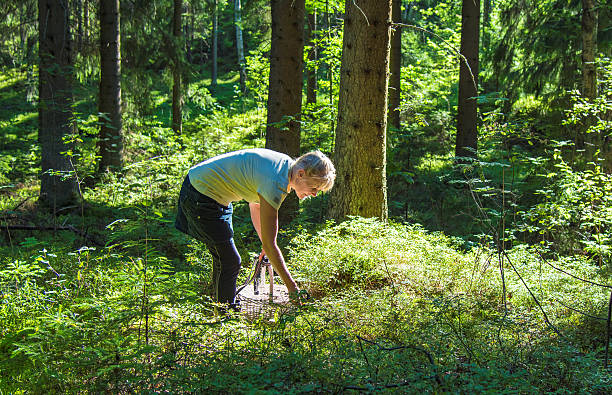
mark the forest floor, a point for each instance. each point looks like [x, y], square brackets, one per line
[395, 307]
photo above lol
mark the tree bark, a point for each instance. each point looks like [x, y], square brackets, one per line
[177, 114]
[22, 34]
[329, 63]
[311, 71]
[596, 140]
[79, 13]
[215, 41]
[467, 129]
[589, 49]
[58, 188]
[395, 82]
[285, 91]
[31, 79]
[85, 22]
[360, 156]
[240, 45]
[188, 32]
[111, 130]
[486, 24]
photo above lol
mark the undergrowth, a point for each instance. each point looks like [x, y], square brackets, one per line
[122, 305]
[395, 308]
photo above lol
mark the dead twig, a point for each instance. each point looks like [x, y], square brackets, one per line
[608, 329]
[535, 299]
[570, 274]
[22, 203]
[402, 347]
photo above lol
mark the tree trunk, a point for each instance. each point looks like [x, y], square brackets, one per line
[467, 130]
[406, 13]
[240, 45]
[85, 22]
[215, 40]
[30, 78]
[23, 36]
[329, 63]
[285, 92]
[57, 187]
[486, 24]
[589, 49]
[311, 71]
[188, 32]
[111, 131]
[360, 156]
[79, 13]
[594, 140]
[395, 82]
[177, 117]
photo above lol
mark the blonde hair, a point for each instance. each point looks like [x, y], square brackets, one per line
[318, 167]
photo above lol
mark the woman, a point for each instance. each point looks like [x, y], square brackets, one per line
[263, 178]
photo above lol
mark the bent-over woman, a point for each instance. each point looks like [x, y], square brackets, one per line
[263, 178]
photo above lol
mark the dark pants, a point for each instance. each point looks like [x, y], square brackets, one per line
[210, 222]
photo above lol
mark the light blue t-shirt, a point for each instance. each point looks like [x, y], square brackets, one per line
[242, 175]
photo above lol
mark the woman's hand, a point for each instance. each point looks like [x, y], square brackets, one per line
[299, 296]
[268, 217]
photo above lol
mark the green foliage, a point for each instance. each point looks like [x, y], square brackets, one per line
[540, 38]
[574, 215]
[395, 308]
[99, 319]
[258, 70]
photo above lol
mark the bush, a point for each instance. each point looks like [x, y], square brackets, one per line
[369, 254]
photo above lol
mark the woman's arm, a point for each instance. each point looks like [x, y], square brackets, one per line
[268, 231]
[254, 207]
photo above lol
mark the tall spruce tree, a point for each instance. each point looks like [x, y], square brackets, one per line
[589, 48]
[285, 86]
[311, 70]
[395, 82]
[215, 44]
[486, 24]
[57, 188]
[467, 108]
[240, 45]
[177, 111]
[110, 143]
[360, 155]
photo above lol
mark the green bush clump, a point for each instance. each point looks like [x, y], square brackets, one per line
[369, 254]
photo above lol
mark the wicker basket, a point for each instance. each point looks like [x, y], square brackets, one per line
[271, 299]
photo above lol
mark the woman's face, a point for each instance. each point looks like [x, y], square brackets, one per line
[305, 186]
